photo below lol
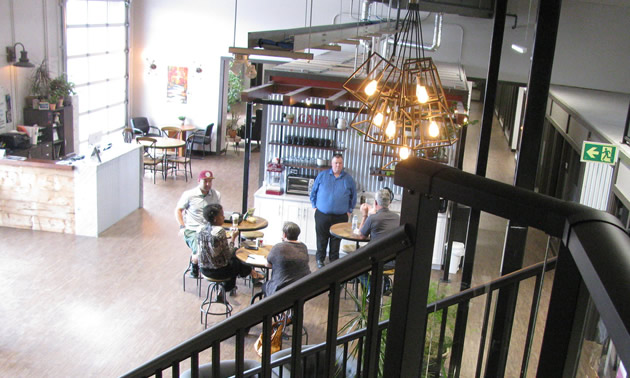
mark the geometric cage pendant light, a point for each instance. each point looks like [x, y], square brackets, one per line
[404, 107]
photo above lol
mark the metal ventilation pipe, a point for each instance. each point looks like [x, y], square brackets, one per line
[365, 10]
[437, 37]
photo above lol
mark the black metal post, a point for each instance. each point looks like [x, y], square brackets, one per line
[248, 141]
[525, 177]
[560, 316]
[407, 327]
[482, 164]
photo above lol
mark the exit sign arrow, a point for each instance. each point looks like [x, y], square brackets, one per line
[599, 153]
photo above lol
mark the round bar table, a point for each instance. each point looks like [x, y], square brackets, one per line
[247, 225]
[344, 231]
[243, 253]
[164, 143]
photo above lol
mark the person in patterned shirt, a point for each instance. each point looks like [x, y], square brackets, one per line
[216, 252]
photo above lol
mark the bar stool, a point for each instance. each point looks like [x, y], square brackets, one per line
[215, 287]
[198, 279]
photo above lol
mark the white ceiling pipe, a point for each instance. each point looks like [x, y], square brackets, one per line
[437, 37]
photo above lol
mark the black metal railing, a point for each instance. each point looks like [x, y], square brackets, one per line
[330, 279]
[592, 256]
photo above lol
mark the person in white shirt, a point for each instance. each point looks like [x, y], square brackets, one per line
[189, 212]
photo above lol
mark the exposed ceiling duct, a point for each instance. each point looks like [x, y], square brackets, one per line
[437, 37]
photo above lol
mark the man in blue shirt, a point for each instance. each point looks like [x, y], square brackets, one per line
[333, 197]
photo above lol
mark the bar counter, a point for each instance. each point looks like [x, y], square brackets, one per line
[84, 198]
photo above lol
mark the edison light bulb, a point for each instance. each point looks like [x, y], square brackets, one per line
[378, 119]
[422, 94]
[404, 153]
[370, 89]
[308, 101]
[391, 129]
[434, 130]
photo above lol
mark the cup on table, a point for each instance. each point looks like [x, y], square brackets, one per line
[235, 220]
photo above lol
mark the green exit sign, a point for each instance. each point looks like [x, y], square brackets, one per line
[599, 152]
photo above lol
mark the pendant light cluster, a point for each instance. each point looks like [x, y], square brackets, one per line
[404, 107]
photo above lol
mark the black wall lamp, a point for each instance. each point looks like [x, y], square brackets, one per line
[23, 62]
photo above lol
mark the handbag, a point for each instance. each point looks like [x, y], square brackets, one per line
[276, 339]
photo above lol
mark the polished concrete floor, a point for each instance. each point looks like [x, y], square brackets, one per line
[78, 306]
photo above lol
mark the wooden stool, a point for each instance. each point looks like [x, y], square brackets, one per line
[215, 287]
[198, 279]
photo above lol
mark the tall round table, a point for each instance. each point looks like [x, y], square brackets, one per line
[344, 231]
[243, 254]
[164, 143]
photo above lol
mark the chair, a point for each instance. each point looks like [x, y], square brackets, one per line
[203, 137]
[141, 127]
[284, 317]
[227, 368]
[128, 134]
[313, 365]
[185, 160]
[150, 158]
[171, 132]
[198, 279]
[215, 287]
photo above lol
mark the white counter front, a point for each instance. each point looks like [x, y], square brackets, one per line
[108, 191]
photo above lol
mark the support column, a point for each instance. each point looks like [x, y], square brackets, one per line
[248, 142]
[525, 177]
[482, 164]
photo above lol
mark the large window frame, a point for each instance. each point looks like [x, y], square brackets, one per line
[96, 60]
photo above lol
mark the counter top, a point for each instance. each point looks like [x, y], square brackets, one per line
[260, 193]
[37, 163]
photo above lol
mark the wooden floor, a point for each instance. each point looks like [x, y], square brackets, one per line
[77, 306]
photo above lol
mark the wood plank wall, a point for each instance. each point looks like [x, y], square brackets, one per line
[37, 198]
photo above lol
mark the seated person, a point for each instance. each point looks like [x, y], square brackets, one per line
[216, 255]
[288, 259]
[378, 223]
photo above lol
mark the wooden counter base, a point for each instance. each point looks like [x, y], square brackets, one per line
[37, 195]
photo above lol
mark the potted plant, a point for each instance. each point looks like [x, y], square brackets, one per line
[63, 89]
[290, 117]
[235, 87]
[40, 84]
[182, 119]
[357, 319]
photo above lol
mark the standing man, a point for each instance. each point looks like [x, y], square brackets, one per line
[189, 213]
[333, 197]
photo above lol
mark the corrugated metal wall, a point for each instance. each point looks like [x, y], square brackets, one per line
[358, 156]
[596, 185]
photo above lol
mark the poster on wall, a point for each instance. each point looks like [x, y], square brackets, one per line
[177, 87]
[5, 108]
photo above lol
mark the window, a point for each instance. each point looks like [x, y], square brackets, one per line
[97, 62]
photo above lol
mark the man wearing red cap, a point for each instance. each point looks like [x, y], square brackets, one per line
[189, 212]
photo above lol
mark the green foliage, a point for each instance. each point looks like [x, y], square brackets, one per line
[40, 81]
[61, 86]
[235, 87]
[357, 319]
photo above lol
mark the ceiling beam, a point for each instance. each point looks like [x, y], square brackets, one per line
[278, 53]
[337, 99]
[328, 47]
[261, 91]
[292, 98]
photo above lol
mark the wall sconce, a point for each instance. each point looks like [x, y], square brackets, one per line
[11, 56]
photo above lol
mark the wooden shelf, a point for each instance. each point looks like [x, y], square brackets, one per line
[315, 147]
[317, 167]
[306, 125]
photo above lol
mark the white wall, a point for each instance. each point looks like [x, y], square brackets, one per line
[34, 23]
